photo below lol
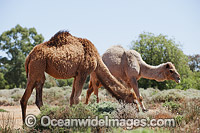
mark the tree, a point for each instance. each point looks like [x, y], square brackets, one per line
[194, 62]
[159, 49]
[17, 43]
[2, 81]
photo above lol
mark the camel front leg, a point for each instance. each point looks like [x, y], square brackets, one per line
[72, 94]
[77, 88]
[134, 85]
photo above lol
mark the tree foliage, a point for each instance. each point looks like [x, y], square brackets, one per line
[194, 62]
[64, 82]
[159, 49]
[17, 43]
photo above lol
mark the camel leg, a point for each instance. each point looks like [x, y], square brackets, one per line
[38, 100]
[80, 80]
[93, 87]
[89, 92]
[134, 85]
[96, 93]
[72, 94]
[39, 87]
[25, 97]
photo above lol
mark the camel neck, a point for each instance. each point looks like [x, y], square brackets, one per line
[110, 82]
[152, 72]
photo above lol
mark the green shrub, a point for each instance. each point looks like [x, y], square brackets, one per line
[54, 96]
[48, 84]
[64, 82]
[2, 110]
[103, 108]
[179, 119]
[168, 95]
[172, 106]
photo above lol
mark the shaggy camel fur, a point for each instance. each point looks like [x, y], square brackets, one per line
[129, 67]
[65, 56]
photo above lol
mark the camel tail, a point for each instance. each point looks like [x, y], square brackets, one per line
[113, 86]
[26, 64]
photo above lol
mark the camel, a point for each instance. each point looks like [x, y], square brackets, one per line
[65, 56]
[128, 66]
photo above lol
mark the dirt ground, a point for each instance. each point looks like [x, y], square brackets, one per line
[16, 112]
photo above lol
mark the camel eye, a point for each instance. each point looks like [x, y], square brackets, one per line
[171, 71]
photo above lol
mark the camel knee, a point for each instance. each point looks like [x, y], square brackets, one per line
[23, 105]
[24, 100]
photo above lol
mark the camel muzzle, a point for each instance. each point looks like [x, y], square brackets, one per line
[178, 80]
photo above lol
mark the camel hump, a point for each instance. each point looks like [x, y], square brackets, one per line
[59, 39]
[113, 52]
[116, 48]
[89, 47]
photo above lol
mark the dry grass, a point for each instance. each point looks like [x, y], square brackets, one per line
[9, 97]
[7, 123]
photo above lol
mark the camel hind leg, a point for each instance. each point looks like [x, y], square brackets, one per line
[39, 88]
[36, 69]
[96, 88]
[93, 87]
[89, 92]
[26, 96]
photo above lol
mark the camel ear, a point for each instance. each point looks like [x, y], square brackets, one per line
[167, 66]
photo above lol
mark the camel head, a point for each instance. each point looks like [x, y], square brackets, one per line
[131, 98]
[171, 73]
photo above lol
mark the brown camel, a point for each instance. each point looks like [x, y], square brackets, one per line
[65, 56]
[129, 67]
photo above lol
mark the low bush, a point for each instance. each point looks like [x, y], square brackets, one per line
[172, 106]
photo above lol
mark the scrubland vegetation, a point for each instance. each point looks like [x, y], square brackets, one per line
[182, 105]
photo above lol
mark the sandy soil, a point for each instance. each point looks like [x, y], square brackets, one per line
[16, 112]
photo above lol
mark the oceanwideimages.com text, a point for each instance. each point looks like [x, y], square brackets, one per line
[100, 122]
